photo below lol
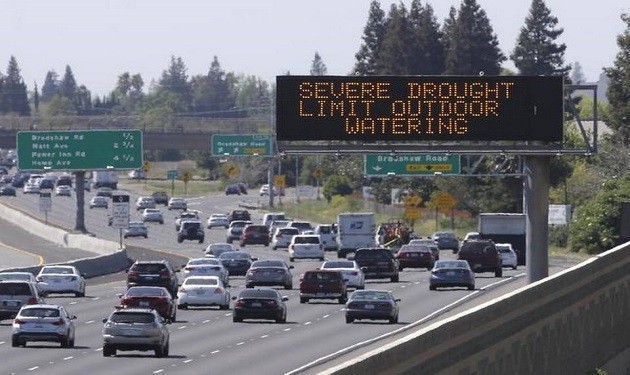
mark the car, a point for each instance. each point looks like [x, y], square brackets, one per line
[63, 190]
[61, 279]
[242, 187]
[153, 273]
[218, 220]
[177, 203]
[255, 234]
[137, 174]
[136, 229]
[269, 272]
[160, 197]
[217, 248]
[327, 233]
[377, 263]
[104, 191]
[282, 237]
[350, 270]
[482, 256]
[306, 246]
[302, 226]
[30, 188]
[186, 215]
[372, 305]
[206, 267]
[472, 236]
[243, 215]
[264, 190]
[236, 262]
[451, 273]
[260, 303]
[415, 256]
[17, 293]
[428, 242]
[191, 230]
[235, 230]
[203, 291]
[17, 276]
[270, 217]
[446, 240]
[150, 297]
[152, 215]
[43, 322]
[46, 184]
[135, 329]
[7, 191]
[232, 190]
[99, 202]
[275, 224]
[508, 255]
[323, 284]
[144, 202]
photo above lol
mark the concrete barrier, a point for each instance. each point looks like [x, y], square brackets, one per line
[569, 323]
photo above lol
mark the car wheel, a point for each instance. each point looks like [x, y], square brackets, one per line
[108, 351]
[471, 287]
[498, 273]
[514, 267]
[395, 279]
[180, 240]
[224, 307]
[146, 236]
[201, 240]
[288, 287]
[291, 260]
[64, 342]
[429, 268]
[159, 351]
[242, 244]
[229, 240]
[237, 319]
[79, 294]
[15, 342]
[183, 306]
[166, 349]
[249, 286]
[343, 299]
[161, 222]
[71, 343]
[281, 320]
[432, 287]
[400, 268]
[361, 287]
[349, 319]
[394, 320]
[322, 259]
[274, 248]
[303, 300]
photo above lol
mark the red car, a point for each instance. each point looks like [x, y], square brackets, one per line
[323, 284]
[415, 256]
[255, 235]
[151, 297]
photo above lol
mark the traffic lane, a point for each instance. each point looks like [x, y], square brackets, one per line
[13, 257]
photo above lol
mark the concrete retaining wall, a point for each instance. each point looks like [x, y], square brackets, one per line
[570, 323]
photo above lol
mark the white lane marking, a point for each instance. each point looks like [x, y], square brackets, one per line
[1, 342]
[67, 358]
[325, 316]
[240, 343]
[188, 361]
[96, 298]
[89, 322]
[158, 371]
[307, 323]
[228, 314]
[33, 368]
[99, 349]
[264, 336]
[182, 327]
[215, 352]
[73, 302]
[286, 329]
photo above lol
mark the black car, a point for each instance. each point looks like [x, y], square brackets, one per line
[46, 184]
[153, 273]
[236, 262]
[7, 190]
[377, 263]
[242, 188]
[191, 230]
[160, 197]
[239, 215]
[232, 190]
[372, 305]
[260, 303]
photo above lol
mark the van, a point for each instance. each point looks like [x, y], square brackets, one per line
[272, 216]
[14, 295]
[327, 234]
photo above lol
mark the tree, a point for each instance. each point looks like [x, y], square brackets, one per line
[35, 98]
[68, 87]
[577, 74]
[336, 185]
[536, 52]
[318, 68]
[253, 95]
[14, 91]
[51, 86]
[618, 92]
[214, 92]
[427, 47]
[175, 80]
[472, 46]
[372, 36]
[394, 55]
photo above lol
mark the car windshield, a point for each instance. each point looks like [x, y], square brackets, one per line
[339, 264]
[198, 261]
[136, 224]
[144, 291]
[288, 231]
[370, 295]
[306, 239]
[258, 293]
[38, 312]
[451, 264]
[62, 270]
[234, 255]
[322, 276]
[413, 248]
[201, 281]
[149, 268]
[15, 289]
[373, 254]
[301, 225]
[219, 246]
[152, 211]
[445, 235]
[15, 276]
[268, 263]
[129, 317]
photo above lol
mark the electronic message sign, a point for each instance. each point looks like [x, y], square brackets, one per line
[419, 108]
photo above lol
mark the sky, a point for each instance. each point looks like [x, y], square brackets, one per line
[102, 39]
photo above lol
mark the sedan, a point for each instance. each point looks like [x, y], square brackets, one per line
[216, 249]
[177, 203]
[206, 267]
[7, 190]
[99, 202]
[415, 256]
[236, 262]
[269, 272]
[63, 190]
[61, 279]
[452, 273]
[43, 322]
[152, 215]
[20, 276]
[446, 240]
[263, 303]
[508, 255]
[136, 229]
[372, 305]
[203, 291]
[218, 220]
[31, 188]
[349, 269]
[150, 297]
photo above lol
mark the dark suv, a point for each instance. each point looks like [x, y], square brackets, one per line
[153, 273]
[239, 215]
[160, 197]
[255, 234]
[377, 263]
[323, 284]
[482, 256]
[190, 230]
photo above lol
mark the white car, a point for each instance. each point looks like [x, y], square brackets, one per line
[63, 190]
[99, 202]
[282, 237]
[264, 190]
[218, 220]
[206, 267]
[218, 248]
[153, 215]
[472, 236]
[136, 229]
[306, 246]
[177, 203]
[328, 236]
[508, 255]
[31, 188]
[350, 271]
[43, 322]
[203, 291]
[61, 279]
[145, 202]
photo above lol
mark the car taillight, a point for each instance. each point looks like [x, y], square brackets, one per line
[239, 303]
[132, 275]
[164, 274]
[272, 303]
[32, 301]
[183, 290]
[18, 321]
[58, 322]
[218, 291]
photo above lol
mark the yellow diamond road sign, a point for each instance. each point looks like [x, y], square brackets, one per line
[232, 170]
[444, 202]
[412, 200]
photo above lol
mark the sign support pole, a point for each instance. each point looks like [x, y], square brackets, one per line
[79, 179]
[120, 238]
[536, 196]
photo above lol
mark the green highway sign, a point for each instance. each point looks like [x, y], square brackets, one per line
[411, 164]
[79, 150]
[241, 144]
[172, 174]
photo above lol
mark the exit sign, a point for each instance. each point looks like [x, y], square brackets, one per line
[241, 145]
[79, 150]
[411, 165]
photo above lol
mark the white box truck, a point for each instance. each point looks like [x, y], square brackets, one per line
[354, 231]
[505, 228]
[105, 179]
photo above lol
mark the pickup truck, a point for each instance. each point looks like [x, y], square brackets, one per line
[377, 263]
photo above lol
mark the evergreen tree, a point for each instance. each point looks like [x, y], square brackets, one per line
[427, 48]
[577, 74]
[123, 85]
[36, 98]
[15, 95]
[318, 68]
[214, 92]
[175, 80]
[394, 55]
[536, 52]
[372, 37]
[3, 103]
[68, 87]
[84, 100]
[619, 87]
[51, 86]
[472, 46]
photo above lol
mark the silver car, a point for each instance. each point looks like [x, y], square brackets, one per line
[152, 215]
[269, 272]
[15, 294]
[43, 323]
[136, 229]
[135, 329]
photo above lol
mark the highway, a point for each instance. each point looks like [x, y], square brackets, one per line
[206, 340]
